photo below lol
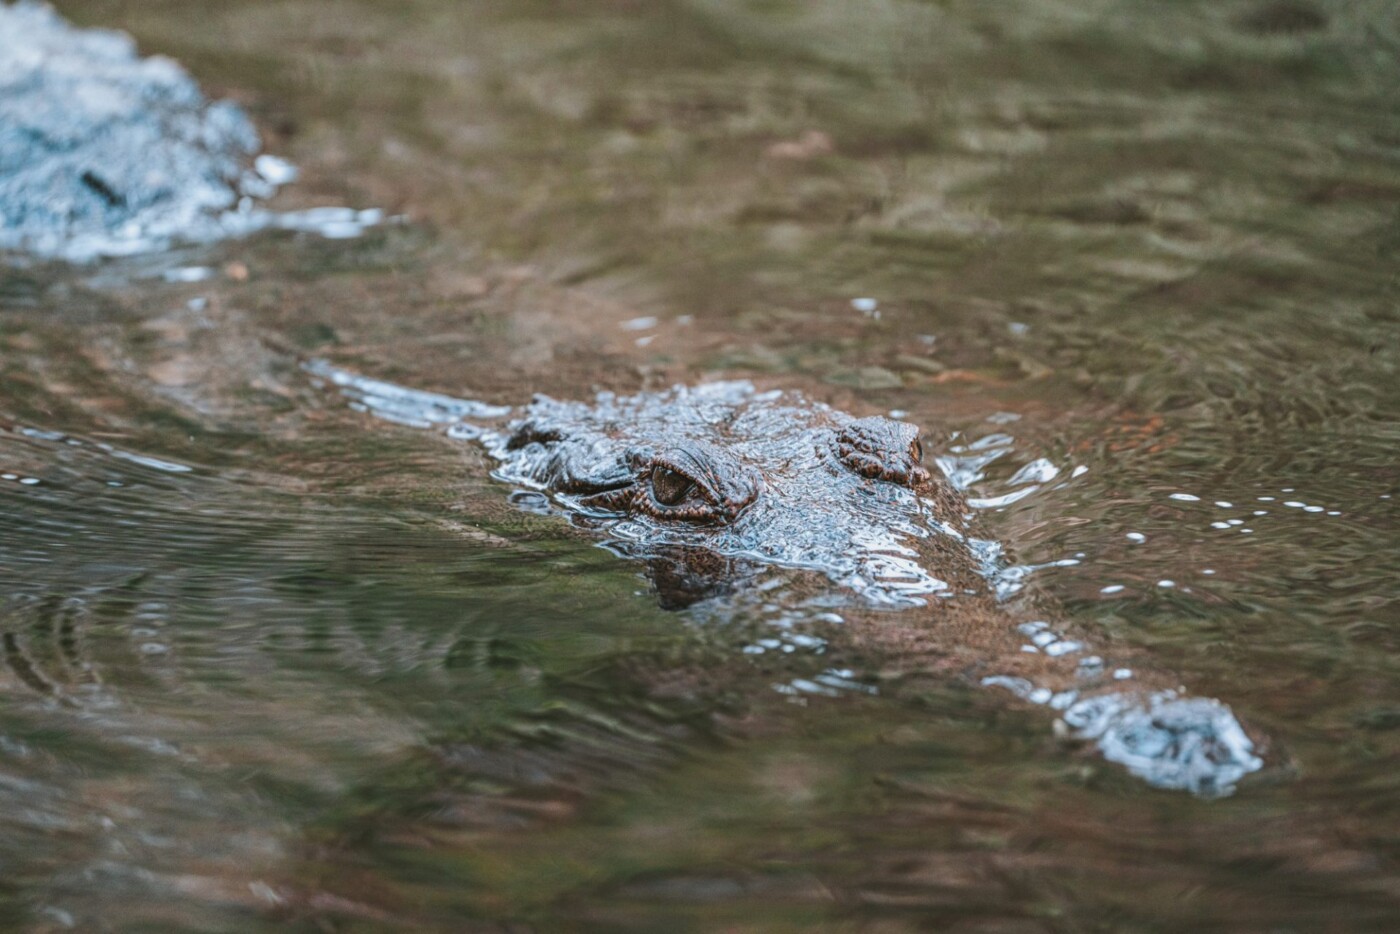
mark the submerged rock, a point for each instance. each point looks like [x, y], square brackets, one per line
[105, 153]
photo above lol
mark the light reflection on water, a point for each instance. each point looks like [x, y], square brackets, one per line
[331, 675]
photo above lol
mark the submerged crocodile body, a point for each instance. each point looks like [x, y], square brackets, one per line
[704, 482]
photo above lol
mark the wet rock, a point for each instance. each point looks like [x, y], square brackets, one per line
[866, 377]
[1028, 366]
[755, 357]
[920, 364]
[103, 152]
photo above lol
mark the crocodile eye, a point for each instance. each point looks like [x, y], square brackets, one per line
[695, 482]
[669, 486]
[916, 451]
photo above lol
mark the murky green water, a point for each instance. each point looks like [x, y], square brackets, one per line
[330, 677]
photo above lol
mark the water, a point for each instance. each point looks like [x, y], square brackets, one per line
[270, 661]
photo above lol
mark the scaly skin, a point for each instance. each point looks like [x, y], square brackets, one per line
[767, 477]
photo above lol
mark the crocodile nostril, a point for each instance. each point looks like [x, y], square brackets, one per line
[883, 449]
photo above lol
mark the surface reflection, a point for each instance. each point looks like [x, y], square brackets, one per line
[334, 675]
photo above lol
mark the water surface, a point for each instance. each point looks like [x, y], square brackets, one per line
[270, 661]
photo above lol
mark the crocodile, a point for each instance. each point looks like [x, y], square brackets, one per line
[711, 483]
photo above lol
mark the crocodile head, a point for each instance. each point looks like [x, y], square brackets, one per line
[726, 470]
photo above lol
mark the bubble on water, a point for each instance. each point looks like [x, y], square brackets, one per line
[1186, 497]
